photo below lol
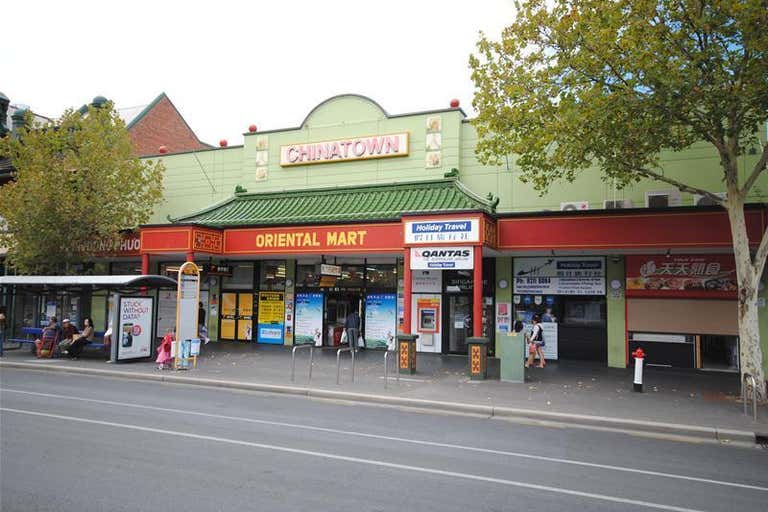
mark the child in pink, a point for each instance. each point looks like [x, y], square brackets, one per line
[164, 352]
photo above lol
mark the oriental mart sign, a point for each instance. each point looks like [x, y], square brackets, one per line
[345, 150]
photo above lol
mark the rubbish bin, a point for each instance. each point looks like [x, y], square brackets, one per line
[407, 356]
[512, 356]
[478, 358]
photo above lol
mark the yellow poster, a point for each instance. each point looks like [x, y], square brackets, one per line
[245, 305]
[245, 330]
[271, 307]
[228, 315]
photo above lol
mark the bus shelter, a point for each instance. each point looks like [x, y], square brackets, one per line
[122, 305]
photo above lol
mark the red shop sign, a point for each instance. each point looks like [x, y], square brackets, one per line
[682, 275]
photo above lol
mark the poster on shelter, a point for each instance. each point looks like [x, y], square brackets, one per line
[134, 331]
[308, 318]
[271, 315]
[380, 320]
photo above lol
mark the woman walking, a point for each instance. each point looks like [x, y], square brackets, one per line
[536, 343]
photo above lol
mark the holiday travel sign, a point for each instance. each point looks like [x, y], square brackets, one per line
[344, 150]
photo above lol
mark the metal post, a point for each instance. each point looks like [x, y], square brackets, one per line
[311, 358]
[353, 363]
[751, 379]
[386, 368]
[338, 363]
[293, 360]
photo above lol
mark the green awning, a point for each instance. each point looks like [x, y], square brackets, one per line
[381, 202]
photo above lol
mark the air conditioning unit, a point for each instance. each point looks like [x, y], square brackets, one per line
[617, 204]
[574, 206]
[699, 200]
[663, 198]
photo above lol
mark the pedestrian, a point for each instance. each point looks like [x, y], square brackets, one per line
[87, 336]
[202, 330]
[352, 327]
[536, 343]
[164, 352]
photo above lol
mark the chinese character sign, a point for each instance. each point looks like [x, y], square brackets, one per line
[682, 275]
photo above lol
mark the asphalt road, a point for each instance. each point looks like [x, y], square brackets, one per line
[78, 443]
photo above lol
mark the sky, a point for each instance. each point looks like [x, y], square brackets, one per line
[226, 65]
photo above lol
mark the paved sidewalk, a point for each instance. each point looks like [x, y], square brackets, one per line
[684, 398]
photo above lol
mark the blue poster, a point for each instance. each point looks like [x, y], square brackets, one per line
[380, 320]
[308, 327]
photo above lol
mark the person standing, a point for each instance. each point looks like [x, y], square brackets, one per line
[536, 343]
[352, 327]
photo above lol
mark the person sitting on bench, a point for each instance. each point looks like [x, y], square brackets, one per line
[76, 348]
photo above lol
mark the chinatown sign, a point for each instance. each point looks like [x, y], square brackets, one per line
[315, 239]
[344, 150]
[681, 275]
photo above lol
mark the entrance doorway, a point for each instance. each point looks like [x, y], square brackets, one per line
[337, 306]
[458, 324]
[236, 316]
[720, 353]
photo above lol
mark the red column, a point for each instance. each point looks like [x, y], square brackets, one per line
[477, 293]
[407, 287]
[145, 264]
[191, 256]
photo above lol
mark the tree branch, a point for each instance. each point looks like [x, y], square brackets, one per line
[760, 255]
[677, 184]
[756, 171]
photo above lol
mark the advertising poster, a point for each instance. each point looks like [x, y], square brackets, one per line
[427, 281]
[271, 316]
[380, 320]
[549, 331]
[681, 275]
[503, 316]
[560, 276]
[308, 323]
[134, 332]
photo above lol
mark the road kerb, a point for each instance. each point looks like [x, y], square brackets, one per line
[672, 430]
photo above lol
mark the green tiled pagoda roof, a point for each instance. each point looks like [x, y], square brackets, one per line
[340, 204]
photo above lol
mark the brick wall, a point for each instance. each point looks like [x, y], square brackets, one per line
[163, 126]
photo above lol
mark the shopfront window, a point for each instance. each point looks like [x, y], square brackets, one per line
[381, 276]
[241, 278]
[272, 275]
[307, 276]
[351, 276]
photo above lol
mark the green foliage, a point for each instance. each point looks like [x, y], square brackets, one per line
[76, 182]
[614, 82]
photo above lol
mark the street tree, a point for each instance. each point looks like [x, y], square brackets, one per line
[581, 84]
[76, 185]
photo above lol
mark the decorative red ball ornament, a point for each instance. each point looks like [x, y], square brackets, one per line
[252, 128]
[163, 150]
[454, 103]
[223, 143]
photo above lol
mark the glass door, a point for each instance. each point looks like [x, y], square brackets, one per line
[228, 319]
[236, 316]
[459, 325]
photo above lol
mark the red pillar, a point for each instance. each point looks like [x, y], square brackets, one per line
[407, 287]
[477, 293]
[191, 256]
[145, 264]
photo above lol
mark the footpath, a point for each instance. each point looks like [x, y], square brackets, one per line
[676, 404]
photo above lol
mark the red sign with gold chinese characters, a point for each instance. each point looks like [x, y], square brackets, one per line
[681, 275]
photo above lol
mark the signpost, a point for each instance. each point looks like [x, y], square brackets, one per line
[187, 300]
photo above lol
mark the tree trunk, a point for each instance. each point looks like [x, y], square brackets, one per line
[750, 352]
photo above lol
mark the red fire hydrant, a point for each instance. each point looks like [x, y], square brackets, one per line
[639, 356]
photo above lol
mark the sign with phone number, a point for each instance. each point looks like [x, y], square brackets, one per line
[560, 285]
